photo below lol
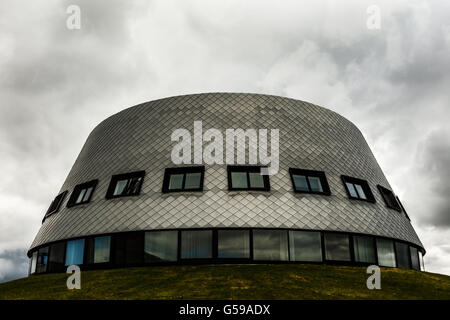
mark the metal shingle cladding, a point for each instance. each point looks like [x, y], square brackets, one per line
[311, 137]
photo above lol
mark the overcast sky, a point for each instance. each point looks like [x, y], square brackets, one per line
[56, 84]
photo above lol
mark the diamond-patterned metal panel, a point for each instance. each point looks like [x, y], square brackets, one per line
[311, 137]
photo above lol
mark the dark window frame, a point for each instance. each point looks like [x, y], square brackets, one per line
[310, 173]
[124, 176]
[247, 169]
[365, 186]
[183, 170]
[385, 193]
[403, 208]
[55, 205]
[77, 190]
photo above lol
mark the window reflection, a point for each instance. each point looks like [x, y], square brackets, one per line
[196, 244]
[414, 258]
[56, 257]
[42, 260]
[300, 183]
[337, 247]
[386, 254]
[33, 262]
[270, 245]
[161, 246]
[102, 249]
[239, 180]
[364, 249]
[176, 181]
[234, 244]
[402, 253]
[305, 246]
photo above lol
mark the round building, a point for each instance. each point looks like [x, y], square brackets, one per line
[128, 200]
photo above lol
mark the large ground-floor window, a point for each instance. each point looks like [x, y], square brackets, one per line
[305, 246]
[364, 249]
[74, 252]
[56, 257]
[386, 253]
[196, 244]
[271, 245]
[402, 253]
[233, 244]
[161, 246]
[337, 247]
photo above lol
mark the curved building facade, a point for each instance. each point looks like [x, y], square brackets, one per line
[125, 202]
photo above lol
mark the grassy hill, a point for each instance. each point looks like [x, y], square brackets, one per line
[233, 282]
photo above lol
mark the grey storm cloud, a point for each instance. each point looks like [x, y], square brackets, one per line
[434, 166]
[57, 84]
[14, 264]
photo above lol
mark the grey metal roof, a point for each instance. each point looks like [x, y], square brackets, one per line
[311, 137]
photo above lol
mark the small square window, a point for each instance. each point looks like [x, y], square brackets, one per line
[309, 181]
[256, 180]
[176, 182]
[239, 180]
[300, 183]
[55, 205]
[352, 190]
[128, 184]
[315, 184]
[183, 179]
[389, 198]
[247, 178]
[82, 193]
[358, 189]
[193, 180]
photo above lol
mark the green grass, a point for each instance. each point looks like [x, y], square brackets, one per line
[280, 281]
